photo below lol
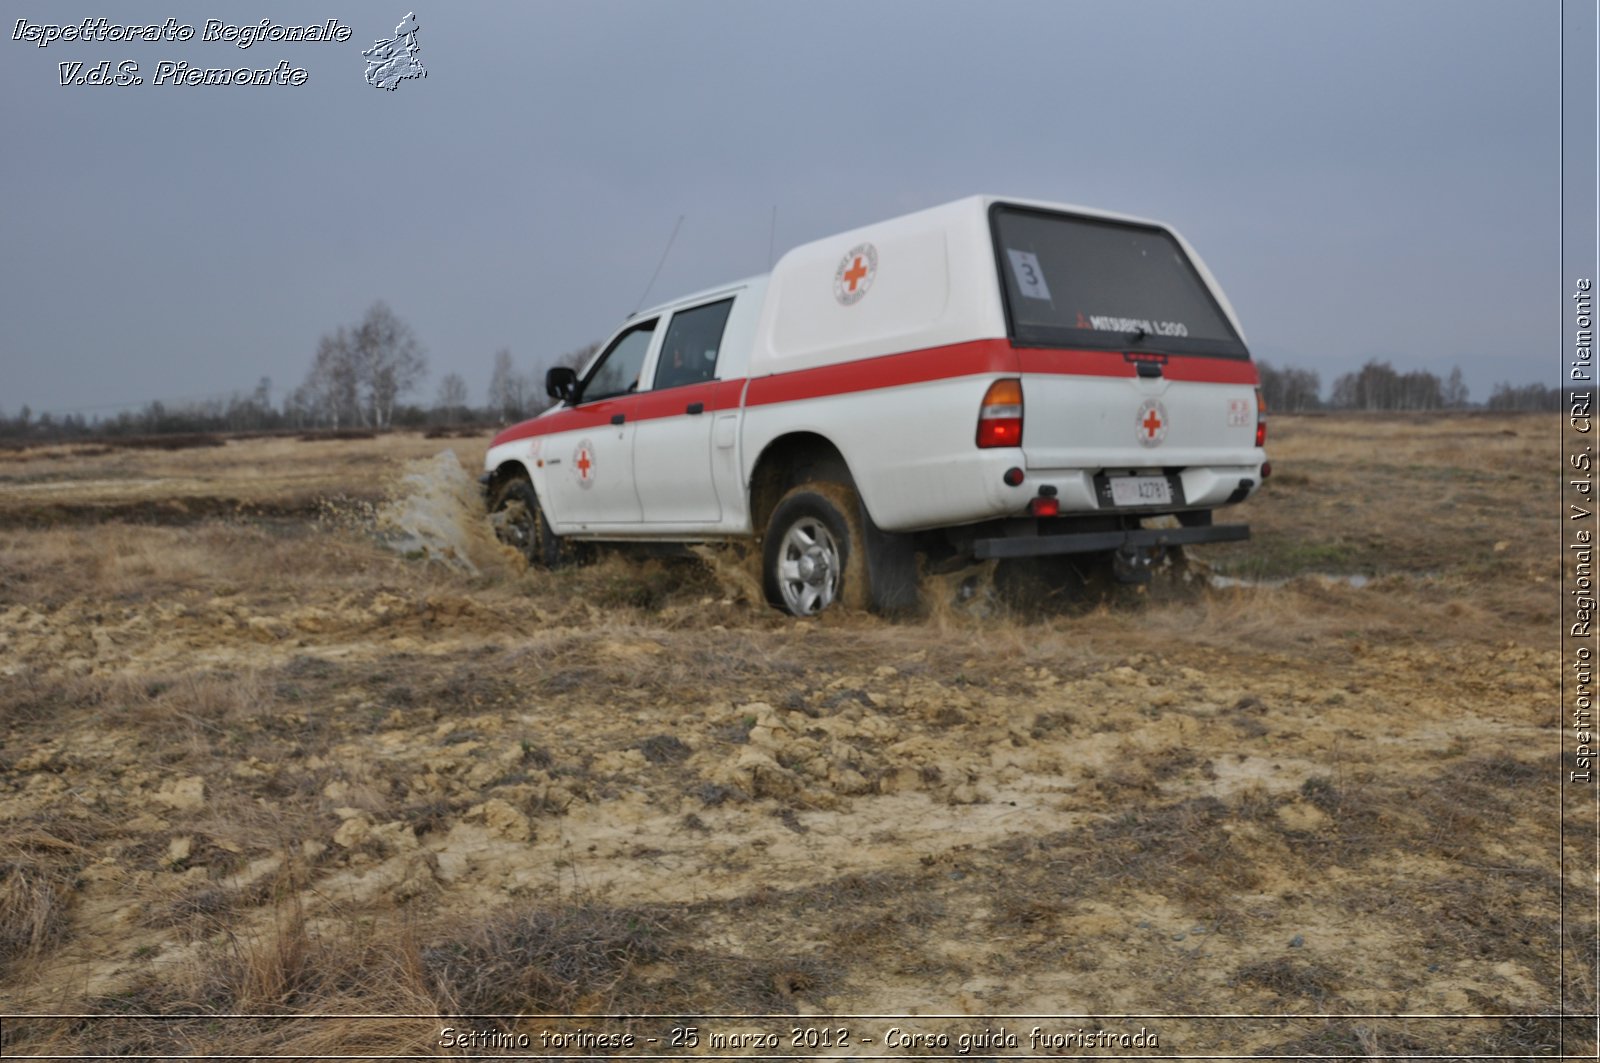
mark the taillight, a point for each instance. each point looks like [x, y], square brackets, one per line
[1000, 416]
[1261, 419]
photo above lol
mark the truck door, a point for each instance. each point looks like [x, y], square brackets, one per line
[592, 482]
[673, 441]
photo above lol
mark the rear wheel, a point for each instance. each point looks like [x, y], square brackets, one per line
[812, 556]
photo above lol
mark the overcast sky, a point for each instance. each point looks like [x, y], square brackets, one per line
[1365, 179]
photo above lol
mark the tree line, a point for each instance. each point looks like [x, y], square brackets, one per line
[1377, 385]
[360, 378]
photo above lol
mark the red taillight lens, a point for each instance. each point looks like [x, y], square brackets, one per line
[1000, 416]
[1261, 419]
[1000, 432]
[1044, 507]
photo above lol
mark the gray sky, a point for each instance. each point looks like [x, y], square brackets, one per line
[1366, 179]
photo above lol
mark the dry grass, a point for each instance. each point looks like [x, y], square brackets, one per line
[1383, 494]
[580, 955]
[257, 760]
[37, 873]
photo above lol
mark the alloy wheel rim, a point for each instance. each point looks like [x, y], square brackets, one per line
[808, 567]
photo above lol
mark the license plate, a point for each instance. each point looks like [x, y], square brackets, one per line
[1140, 490]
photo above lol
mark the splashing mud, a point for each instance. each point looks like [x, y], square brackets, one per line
[736, 568]
[434, 510]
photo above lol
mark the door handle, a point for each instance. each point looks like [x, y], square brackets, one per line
[1148, 370]
[618, 418]
[696, 407]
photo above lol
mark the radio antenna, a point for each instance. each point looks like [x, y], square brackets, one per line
[663, 262]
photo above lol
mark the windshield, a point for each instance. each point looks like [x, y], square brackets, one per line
[1086, 282]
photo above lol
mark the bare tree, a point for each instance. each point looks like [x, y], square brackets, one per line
[510, 392]
[1302, 390]
[1290, 390]
[1419, 390]
[452, 401]
[1344, 392]
[1527, 397]
[1377, 386]
[357, 375]
[1271, 385]
[331, 392]
[389, 361]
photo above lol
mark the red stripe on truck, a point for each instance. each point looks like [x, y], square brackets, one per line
[712, 396]
[593, 415]
[975, 358]
[1197, 368]
[885, 371]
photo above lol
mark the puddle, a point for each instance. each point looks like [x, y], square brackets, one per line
[1356, 580]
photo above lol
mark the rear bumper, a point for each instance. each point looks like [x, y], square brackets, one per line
[1093, 542]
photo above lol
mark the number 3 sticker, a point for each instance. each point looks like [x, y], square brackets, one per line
[1030, 278]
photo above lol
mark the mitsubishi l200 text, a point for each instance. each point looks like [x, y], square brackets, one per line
[991, 378]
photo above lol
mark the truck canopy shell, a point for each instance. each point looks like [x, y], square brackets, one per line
[932, 277]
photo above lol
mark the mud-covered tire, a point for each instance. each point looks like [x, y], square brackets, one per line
[812, 554]
[522, 524]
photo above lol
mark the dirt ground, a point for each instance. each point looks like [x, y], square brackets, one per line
[287, 734]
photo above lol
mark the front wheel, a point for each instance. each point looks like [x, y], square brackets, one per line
[812, 557]
[519, 521]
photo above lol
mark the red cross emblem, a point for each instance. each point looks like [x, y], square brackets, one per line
[583, 462]
[1152, 423]
[855, 274]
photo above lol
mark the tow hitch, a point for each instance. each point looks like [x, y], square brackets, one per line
[1136, 564]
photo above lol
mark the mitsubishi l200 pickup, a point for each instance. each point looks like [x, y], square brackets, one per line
[991, 378]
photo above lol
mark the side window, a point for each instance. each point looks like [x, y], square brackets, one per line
[694, 338]
[617, 371]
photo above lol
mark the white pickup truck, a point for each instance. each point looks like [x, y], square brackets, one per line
[991, 378]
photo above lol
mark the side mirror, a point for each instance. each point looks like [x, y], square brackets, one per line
[561, 382]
